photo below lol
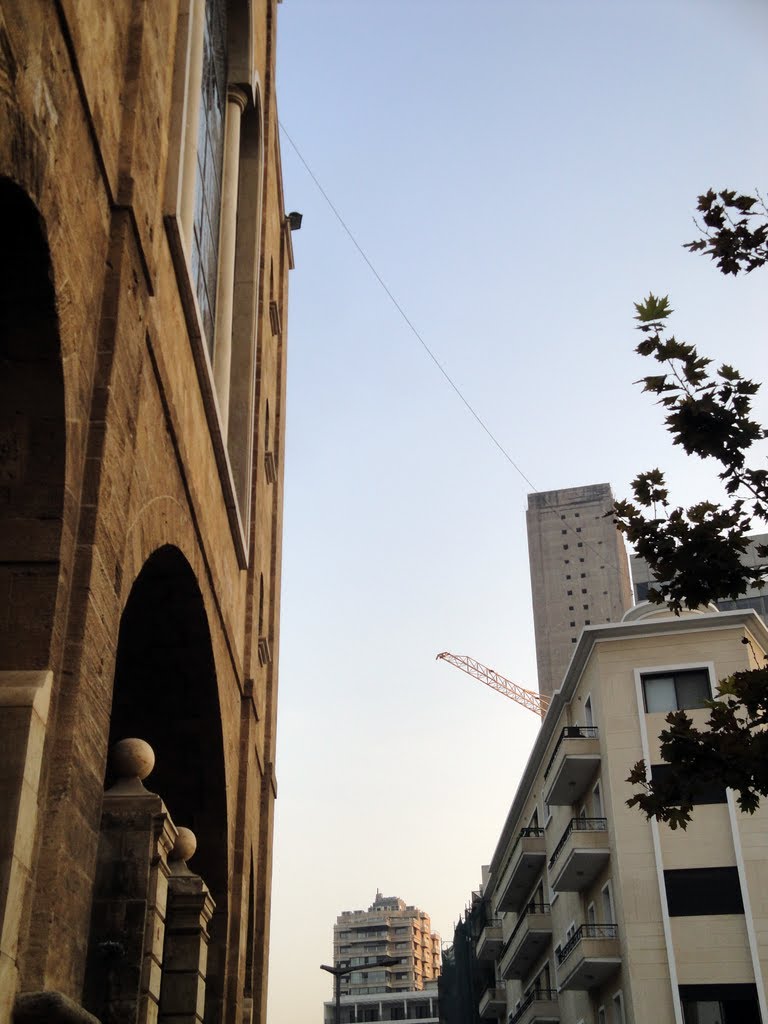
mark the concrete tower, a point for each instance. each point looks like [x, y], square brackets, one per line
[579, 572]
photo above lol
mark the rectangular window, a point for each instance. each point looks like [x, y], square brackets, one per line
[720, 1004]
[607, 897]
[618, 1009]
[676, 691]
[695, 792]
[694, 892]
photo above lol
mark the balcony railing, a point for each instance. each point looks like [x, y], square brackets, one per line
[572, 732]
[586, 931]
[524, 833]
[538, 994]
[529, 908]
[578, 825]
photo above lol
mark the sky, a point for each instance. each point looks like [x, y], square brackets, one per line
[518, 173]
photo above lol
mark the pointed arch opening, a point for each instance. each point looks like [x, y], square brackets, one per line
[165, 692]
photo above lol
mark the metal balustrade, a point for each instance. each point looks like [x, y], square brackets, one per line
[529, 908]
[572, 732]
[578, 825]
[537, 994]
[586, 931]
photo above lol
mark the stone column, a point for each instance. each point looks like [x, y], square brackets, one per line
[123, 972]
[225, 293]
[24, 702]
[190, 907]
[193, 99]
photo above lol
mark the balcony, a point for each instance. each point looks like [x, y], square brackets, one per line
[493, 1003]
[539, 1007]
[580, 855]
[532, 934]
[573, 764]
[589, 958]
[490, 942]
[525, 862]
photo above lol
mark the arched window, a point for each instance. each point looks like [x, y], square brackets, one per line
[213, 216]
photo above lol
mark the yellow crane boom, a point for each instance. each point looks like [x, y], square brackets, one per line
[527, 698]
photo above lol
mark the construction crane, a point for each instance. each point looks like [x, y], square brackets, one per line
[527, 698]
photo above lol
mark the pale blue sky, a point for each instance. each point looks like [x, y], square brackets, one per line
[519, 172]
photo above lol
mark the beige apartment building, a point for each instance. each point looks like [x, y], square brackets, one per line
[579, 572]
[594, 915]
[387, 928]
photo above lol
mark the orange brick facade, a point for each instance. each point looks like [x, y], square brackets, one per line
[140, 536]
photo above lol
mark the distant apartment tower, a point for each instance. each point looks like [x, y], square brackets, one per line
[387, 928]
[579, 572]
[753, 597]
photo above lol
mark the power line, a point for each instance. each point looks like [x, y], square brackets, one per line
[411, 326]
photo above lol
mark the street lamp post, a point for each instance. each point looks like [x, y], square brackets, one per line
[338, 971]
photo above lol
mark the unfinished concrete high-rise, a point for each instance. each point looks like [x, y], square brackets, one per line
[579, 572]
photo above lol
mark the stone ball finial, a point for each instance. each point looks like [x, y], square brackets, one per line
[185, 845]
[133, 759]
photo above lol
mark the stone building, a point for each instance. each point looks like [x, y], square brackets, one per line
[593, 914]
[579, 572]
[145, 256]
[387, 928]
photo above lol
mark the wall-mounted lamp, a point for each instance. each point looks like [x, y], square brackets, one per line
[294, 220]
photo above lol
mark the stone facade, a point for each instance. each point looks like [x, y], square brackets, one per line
[142, 378]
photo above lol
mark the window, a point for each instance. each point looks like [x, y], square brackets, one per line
[578, 529]
[601, 1015]
[210, 157]
[693, 892]
[583, 575]
[570, 607]
[583, 590]
[565, 547]
[708, 792]
[607, 898]
[587, 622]
[573, 623]
[597, 802]
[568, 576]
[585, 607]
[673, 691]
[618, 1009]
[579, 545]
[588, 716]
[720, 1004]
[563, 531]
[569, 593]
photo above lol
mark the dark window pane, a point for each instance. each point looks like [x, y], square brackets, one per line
[693, 792]
[735, 1004]
[698, 891]
[693, 689]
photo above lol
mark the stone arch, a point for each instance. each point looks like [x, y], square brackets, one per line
[32, 436]
[165, 692]
[32, 488]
